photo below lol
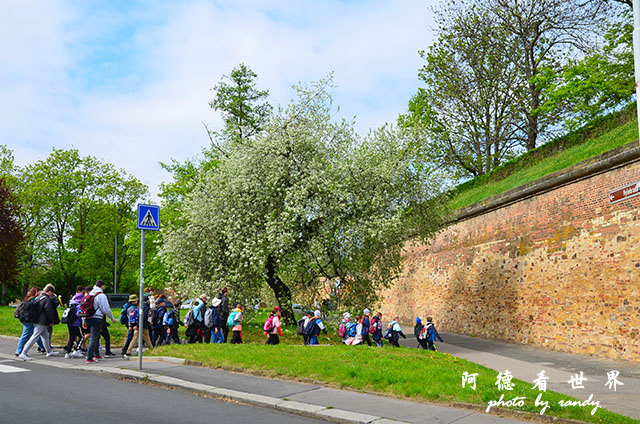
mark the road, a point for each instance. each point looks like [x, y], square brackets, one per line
[34, 393]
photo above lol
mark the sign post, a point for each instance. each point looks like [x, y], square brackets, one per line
[623, 193]
[148, 219]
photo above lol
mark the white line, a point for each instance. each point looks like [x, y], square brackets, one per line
[8, 369]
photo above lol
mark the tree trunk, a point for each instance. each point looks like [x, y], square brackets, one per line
[281, 291]
[4, 294]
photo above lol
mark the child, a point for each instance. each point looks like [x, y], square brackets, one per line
[343, 329]
[236, 315]
[376, 322]
[355, 332]
[417, 331]
[431, 334]
[314, 327]
[396, 332]
[274, 331]
[305, 321]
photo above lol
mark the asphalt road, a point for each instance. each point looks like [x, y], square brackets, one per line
[50, 395]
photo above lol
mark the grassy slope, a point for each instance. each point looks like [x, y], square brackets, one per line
[548, 159]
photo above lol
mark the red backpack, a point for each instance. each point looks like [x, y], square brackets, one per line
[374, 325]
[87, 309]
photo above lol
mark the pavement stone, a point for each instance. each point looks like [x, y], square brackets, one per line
[347, 417]
[250, 398]
[299, 407]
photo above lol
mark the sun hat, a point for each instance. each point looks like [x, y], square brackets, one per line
[133, 298]
[203, 296]
[215, 302]
[346, 315]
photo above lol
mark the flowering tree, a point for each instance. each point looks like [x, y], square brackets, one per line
[307, 200]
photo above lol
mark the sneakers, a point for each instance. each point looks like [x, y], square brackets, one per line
[98, 357]
[41, 350]
[67, 356]
[77, 354]
[124, 355]
[91, 361]
[24, 357]
[110, 355]
[52, 353]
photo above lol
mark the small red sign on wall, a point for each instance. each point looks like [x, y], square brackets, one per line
[625, 192]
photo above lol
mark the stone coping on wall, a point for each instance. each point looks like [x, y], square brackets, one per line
[587, 168]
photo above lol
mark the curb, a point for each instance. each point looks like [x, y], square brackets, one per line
[298, 408]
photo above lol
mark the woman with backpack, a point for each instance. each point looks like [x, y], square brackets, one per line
[24, 313]
[272, 327]
[46, 316]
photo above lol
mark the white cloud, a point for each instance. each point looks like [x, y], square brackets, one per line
[152, 111]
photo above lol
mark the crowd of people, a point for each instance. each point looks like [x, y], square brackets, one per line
[88, 312]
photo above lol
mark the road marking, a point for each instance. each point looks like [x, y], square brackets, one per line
[8, 369]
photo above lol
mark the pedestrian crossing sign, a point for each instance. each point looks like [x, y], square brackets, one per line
[148, 217]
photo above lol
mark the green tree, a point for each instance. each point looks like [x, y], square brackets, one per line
[75, 207]
[244, 108]
[306, 201]
[11, 239]
[470, 109]
[602, 80]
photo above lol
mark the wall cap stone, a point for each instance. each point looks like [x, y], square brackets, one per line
[605, 162]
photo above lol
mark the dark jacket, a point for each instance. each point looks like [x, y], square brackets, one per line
[159, 315]
[48, 314]
[365, 326]
[223, 307]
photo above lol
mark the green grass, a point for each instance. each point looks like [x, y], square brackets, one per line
[404, 373]
[606, 134]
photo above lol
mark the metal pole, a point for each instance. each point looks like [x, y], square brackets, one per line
[141, 301]
[636, 53]
[115, 264]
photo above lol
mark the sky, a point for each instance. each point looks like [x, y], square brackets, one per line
[129, 82]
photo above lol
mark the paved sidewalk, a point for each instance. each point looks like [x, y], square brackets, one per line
[525, 362]
[305, 399]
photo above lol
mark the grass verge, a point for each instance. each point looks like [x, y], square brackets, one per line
[404, 373]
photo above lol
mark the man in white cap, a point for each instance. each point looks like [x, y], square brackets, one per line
[366, 323]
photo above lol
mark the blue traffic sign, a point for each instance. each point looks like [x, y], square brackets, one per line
[148, 217]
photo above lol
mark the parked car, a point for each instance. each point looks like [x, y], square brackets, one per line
[117, 300]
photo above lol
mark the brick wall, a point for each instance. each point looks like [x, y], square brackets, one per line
[559, 270]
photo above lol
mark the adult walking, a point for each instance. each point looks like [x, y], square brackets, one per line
[95, 321]
[224, 311]
[26, 312]
[47, 317]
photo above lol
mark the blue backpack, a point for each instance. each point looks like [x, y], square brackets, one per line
[231, 321]
[168, 318]
[351, 331]
[133, 316]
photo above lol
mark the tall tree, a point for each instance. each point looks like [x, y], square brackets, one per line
[11, 239]
[245, 110]
[305, 201]
[470, 106]
[544, 33]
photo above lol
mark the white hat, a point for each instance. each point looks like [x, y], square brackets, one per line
[346, 315]
[366, 311]
[216, 301]
[317, 313]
